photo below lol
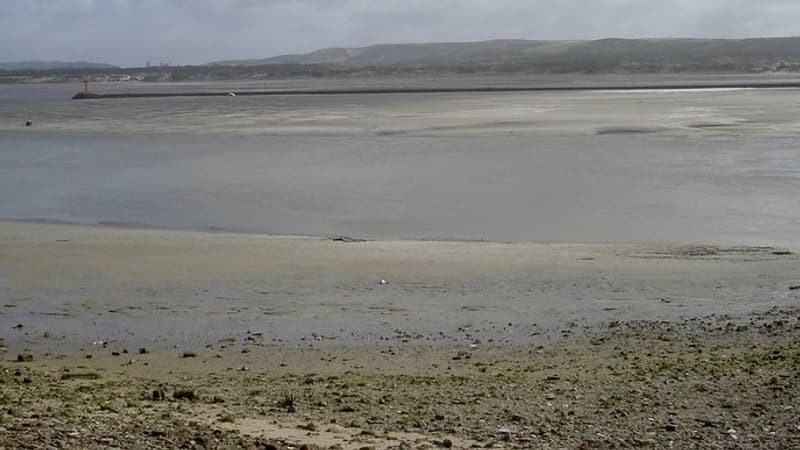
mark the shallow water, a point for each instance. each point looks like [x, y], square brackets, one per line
[711, 167]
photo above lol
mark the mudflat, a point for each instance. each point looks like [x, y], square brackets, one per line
[152, 338]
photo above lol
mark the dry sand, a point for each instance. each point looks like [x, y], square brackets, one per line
[151, 339]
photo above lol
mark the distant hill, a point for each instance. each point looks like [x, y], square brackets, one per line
[561, 56]
[433, 53]
[496, 57]
[52, 65]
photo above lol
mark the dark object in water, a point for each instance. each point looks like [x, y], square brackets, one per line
[28, 123]
[84, 95]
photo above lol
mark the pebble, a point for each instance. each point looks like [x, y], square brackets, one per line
[184, 395]
[310, 426]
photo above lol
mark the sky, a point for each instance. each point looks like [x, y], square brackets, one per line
[132, 32]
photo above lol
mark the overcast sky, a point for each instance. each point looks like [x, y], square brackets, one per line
[130, 32]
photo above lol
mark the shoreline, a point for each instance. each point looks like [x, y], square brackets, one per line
[355, 238]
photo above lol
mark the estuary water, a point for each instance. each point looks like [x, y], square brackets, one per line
[711, 167]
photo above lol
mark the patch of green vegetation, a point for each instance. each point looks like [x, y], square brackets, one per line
[80, 376]
[226, 418]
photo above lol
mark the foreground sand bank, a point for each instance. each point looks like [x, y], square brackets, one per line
[161, 339]
[164, 289]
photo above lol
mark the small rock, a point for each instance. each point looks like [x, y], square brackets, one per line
[143, 351]
[24, 357]
[189, 354]
[447, 443]
[310, 426]
[18, 326]
[670, 427]
[184, 395]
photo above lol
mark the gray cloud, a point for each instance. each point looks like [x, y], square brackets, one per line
[129, 32]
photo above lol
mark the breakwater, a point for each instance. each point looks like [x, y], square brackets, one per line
[443, 90]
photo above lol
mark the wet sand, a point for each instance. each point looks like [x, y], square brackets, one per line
[292, 340]
[700, 113]
[153, 287]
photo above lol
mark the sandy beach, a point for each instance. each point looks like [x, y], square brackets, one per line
[121, 337]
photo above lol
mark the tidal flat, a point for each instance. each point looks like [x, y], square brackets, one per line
[538, 270]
